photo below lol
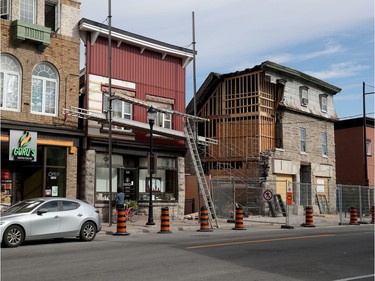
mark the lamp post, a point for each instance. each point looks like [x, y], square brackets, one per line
[364, 133]
[151, 116]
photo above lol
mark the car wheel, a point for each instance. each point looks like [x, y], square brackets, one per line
[13, 236]
[88, 231]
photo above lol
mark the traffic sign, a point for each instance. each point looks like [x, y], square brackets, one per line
[267, 195]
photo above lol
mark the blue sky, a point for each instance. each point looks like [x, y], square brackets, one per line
[330, 40]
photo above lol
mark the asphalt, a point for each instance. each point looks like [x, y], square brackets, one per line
[257, 222]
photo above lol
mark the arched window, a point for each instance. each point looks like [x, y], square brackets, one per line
[44, 94]
[10, 83]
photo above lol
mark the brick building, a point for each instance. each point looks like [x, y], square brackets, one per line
[274, 125]
[39, 77]
[351, 166]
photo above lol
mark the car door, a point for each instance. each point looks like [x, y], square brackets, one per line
[47, 222]
[72, 216]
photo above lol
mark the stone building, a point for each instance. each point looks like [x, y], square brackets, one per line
[39, 77]
[275, 127]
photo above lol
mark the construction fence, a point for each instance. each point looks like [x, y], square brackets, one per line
[267, 199]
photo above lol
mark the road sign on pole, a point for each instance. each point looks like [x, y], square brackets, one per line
[267, 195]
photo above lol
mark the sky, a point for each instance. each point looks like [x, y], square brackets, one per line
[331, 40]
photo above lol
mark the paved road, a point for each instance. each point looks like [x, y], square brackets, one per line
[329, 253]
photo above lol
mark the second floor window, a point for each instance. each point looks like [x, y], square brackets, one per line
[323, 103]
[324, 144]
[10, 83]
[368, 147]
[303, 139]
[44, 94]
[119, 109]
[164, 119]
[51, 15]
[304, 95]
[5, 9]
[27, 11]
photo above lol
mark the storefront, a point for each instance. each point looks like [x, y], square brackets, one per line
[36, 164]
[130, 171]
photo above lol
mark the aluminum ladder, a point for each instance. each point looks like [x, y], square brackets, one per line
[201, 177]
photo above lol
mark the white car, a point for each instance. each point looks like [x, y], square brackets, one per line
[48, 217]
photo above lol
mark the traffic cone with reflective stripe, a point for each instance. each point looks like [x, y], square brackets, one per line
[205, 227]
[309, 217]
[238, 223]
[164, 221]
[121, 223]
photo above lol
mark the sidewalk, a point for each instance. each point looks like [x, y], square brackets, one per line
[258, 222]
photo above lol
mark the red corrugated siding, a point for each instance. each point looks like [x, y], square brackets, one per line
[151, 74]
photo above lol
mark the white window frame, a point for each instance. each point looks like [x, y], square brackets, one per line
[45, 74]
[302, 137]
[368, 147]
[28, 7]
[5, 9]
[304, 95]
[163, 120]
[324, 144]
[57, 14]
[323, 103]
[125, 112]
[10, 67]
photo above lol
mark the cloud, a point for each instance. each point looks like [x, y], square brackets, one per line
[339, 70]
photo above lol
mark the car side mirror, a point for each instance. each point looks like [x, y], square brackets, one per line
[41, 212]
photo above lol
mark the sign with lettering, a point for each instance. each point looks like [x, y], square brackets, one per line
[23, 146]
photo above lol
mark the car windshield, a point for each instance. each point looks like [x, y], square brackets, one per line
[23, 207]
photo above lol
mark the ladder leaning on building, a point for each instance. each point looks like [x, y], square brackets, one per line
[188, 135]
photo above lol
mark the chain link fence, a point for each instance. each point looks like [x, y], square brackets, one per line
[332, 201]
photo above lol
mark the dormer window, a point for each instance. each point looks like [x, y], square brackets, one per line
[323, 103]
[303, 90]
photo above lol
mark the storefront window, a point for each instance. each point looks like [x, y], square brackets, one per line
[102, 176]
[164, 181]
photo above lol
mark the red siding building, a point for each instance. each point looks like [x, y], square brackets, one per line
[351, 167]
[149, 72]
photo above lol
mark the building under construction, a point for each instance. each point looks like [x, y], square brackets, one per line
[274, 125]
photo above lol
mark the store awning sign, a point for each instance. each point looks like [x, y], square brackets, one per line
[23, 146]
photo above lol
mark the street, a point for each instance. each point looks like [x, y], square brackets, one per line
[326, 253]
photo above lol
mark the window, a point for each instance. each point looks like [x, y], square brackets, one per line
[164, 119]
[51, 16]
[27, 11]
[324, 144]
[52, 206]
[368, 147]
[323, 103]
[304, 95]
[164, 181]
[69, 205]
[303, 139]
[5, 9]
[44, 94]
[119, 109]
[10, 83]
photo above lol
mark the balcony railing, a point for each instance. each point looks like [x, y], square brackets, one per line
[22, 31]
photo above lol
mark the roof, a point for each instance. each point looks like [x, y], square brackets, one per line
[214, 79]
[353, 123]
[119, 35]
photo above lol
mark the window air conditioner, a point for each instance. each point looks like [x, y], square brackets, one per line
[304, 101]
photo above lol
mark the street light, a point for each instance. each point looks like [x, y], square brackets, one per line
[364, 132]
[151, 116]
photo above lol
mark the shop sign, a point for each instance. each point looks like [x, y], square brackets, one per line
[23, 146]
